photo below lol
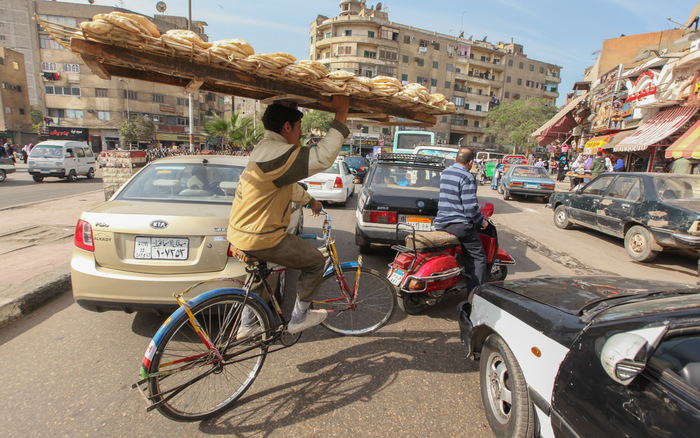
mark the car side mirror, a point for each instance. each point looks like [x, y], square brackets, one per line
[624, 356]
[353, 171]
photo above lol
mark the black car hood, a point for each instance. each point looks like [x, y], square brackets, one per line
[402, 200]
[578, 294]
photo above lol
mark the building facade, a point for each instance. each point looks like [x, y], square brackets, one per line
[15, 112]
[71, 96]
[470, 73]
[527, 78]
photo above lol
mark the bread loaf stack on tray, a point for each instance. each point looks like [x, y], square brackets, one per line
[119, 26]
[385, 86]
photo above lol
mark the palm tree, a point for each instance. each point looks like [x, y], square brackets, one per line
[233, 132]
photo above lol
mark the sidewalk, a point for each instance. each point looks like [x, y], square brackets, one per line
[35, 251]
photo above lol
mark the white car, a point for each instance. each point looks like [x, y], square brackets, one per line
[334, 184]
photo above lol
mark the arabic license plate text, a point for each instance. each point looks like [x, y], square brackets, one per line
[314, 185]
[161, 248]
[395, 277]
[419, 223]
[531, 186]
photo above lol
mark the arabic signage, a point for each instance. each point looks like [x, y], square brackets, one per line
[694, 92]
[643, 92]
[63, 133]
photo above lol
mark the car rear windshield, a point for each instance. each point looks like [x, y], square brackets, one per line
[530, 172]
[46, 151]
[678, 188]
[183, 182]
[406, 178]
[355, 161]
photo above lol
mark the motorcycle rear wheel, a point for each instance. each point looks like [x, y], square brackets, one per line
[409, 304]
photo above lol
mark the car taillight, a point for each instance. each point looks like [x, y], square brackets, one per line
[230, 253]
[403, 260]
[338, 183]
[380, 217]
[83, 236]
[362, 168]
[515, 184]
[547, 186]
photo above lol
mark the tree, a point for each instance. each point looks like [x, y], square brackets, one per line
[318, 122]
[236, 131]
[513, 123]
[37, 117]
[138, 128]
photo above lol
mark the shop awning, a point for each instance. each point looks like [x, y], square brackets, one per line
[561, 123]
[688, 145]
[593, 145]
[656, 129]
[616, 139]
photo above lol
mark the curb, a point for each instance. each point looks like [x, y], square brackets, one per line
[30, 295]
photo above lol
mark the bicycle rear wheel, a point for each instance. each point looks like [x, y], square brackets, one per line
[187, 380]
[373, 308]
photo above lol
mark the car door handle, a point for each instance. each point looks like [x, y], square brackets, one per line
[625, 205]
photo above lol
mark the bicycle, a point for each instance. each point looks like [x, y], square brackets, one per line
[195, 367]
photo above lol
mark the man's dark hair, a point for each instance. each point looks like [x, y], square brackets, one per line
[599, 153]
[277, 115]
[464, 155]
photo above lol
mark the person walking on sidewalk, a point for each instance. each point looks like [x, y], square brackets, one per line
[261, 208]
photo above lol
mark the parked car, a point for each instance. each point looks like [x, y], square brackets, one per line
[358, 166]
[400, 189]
[160, 233]
[6, 166]
[653, 212]
[586, 357]
[334, 184]
[526, 181]
[61, 159]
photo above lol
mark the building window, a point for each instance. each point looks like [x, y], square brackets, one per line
[48, 66]
[8, 110]
[404, 78]
[181, 121]
[466, 106]
[21, 111]
[521, 65]
[532, 67]
[529, 83]
[405, 59]
[508, 79]
[328, 34]
[476, 122]
[420, 61]
[419, 80]
[158, 98]
[46, 42]
[507, 95]
[372, 55]
[101, 92]
[348, 32]
[62, 91]
[71, 68]
[406, 39]
[15, 65]
[388, 55]
[103, 115]
[74, 114]
[385, 70]
[516, 96]
[435, 64]
[459, 101]
[449, 67]
[433, 82]
[510, 63]
[370, 33]
[448, 84]
[542, 70]
[520, 81]
[475, 139]
[478, 108]
[181, 101]
[133, 95]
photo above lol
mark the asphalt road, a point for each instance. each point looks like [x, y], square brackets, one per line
[19, 187]
[68, 372]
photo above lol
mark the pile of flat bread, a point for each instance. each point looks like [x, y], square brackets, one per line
[238, 54]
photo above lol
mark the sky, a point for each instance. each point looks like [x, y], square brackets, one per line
[562, 32]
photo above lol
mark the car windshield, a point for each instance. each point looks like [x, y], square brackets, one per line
[530, 172]
[183, 182]
[406, 178]
[678, 188]
[46, 152]
[355, 161]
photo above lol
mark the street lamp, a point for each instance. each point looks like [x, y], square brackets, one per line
[128, 112]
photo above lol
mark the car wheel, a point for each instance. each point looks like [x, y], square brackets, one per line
[639, 243]
[90, 173]
[37, 178]
[506, 194]
[497, 273]
[71, 176]
[561, 218]
[409, 304]
[504, 391]
[2, 175]
[499, 188]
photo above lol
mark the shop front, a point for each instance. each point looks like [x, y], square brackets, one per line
[179, 141]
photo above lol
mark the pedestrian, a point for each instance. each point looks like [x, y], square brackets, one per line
[497, 173]
[619, 165]
[608, 164]
[459, 214]
[539, 163]
[579, 168]
[562, 167]
[598, 165]
[260, 212]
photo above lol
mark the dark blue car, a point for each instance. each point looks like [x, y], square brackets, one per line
[359, 167]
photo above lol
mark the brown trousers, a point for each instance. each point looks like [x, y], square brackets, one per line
[295, 253]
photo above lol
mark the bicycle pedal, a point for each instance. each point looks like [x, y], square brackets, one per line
[288, 339]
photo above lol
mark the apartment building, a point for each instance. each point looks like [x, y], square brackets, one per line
[470, 73]
[15, 113]
[527, 78]
[71, 96]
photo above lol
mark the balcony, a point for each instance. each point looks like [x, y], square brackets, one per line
[461, 127]
[474, 113]
[487, 64]
[553, 93]
[358, 39]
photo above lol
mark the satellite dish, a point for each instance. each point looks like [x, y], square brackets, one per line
[379, 6]
[161, 6]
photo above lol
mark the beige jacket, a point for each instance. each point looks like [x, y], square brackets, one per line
[261, 209]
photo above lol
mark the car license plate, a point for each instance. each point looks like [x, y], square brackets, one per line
[313, 185]
[45, 171]
[418, 223]
[395, 277]
[161, 248]
[531, 186]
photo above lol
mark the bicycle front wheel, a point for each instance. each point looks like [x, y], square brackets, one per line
[186, 380]
[373, 307]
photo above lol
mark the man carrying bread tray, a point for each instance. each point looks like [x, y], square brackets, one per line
[262, 205]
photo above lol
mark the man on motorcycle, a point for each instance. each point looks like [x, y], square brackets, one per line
[459, 214]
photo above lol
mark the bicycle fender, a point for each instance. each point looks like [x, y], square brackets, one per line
[160, 334]
[344, 265]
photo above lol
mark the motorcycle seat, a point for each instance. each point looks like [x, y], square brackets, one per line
[432, 241]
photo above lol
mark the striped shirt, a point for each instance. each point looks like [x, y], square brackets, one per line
[458, 202]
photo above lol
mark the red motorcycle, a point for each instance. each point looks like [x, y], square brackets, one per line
[427, 268]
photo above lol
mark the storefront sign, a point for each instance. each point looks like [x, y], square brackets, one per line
[643, 92]
[168, 109]
[694, 91]
[62, 133]
[602, 110]
[611, 80]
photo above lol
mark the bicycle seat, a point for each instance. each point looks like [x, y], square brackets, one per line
[243, 256]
